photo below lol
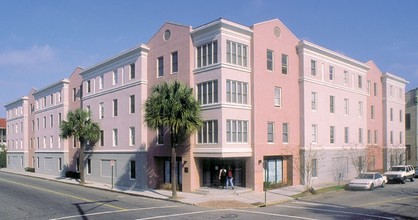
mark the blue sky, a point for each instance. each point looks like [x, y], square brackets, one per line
[43, 41]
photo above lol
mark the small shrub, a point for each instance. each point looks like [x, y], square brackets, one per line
[72, 175]
[30, 169]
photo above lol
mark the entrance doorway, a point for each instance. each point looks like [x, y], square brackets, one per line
[212, 166]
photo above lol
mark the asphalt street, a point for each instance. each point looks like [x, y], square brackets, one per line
[23, 197]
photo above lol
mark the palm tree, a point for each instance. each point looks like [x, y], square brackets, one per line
[82, 128]
[174, 107]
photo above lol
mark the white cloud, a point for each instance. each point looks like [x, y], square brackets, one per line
[37, 55]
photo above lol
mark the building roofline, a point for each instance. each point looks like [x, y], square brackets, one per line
[138, 49]
[316, 48]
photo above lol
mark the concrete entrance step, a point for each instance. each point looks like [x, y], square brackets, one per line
[219, 191]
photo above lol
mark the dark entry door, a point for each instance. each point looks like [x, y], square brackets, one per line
[212, 166]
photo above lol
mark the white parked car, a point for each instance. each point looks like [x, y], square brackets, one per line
[368, 180]
[401, 173]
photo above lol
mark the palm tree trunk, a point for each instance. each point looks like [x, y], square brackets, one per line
[81, 165]
[173, 170]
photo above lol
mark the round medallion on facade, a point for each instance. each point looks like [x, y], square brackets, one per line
[167, 34]
[277, 32]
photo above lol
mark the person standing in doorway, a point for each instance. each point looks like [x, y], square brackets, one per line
[222, 177]
[230, 178]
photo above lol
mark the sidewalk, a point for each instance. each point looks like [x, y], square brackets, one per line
[205, 196]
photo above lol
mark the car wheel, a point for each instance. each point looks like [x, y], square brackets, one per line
[412, 179]
[371, 187]
[383, 184]
[403, 180]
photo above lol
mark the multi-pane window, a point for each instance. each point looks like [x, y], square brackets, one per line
[115, 137]
[346, 135]
[160, 66]
[174, 62]
[207, 92]
[285, 133]
[88, 166]
[43, 121]
[345, 77]
[314, 168]
[236, 92]
[270, 132]
[391, 114]
[285, 63]
[346, 106]
[360, 81]
[360, 135]
[51, 99]
[88, 86]
[277, 96]
[207, 54]
[51, 121]
[236, 53]
[375, 136]
[369, 136]
[332, 134]
[313, 67]
[101, 110]
[208, 133]
[132, 71]
[314, 100]
[101, 81]
[160, 135]
[74, 96]
[115, 107]
[372, 112]
[375, 89]
[391, 137]
[236, 131]
[132, 104]
[360, 108]
[131, 136]
[331, 73]
[332, 104]
[408, 121]
[368, 86]
[101, 138]
[314, 133]
[115, 77]
[400, 116]
[270, 58]
[132, 172]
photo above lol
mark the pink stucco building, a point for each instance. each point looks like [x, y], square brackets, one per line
[276, 109]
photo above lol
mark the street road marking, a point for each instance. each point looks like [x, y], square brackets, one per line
[63, 194]
[118, 211]
[182, 214]
[336, 211]
[277, 215]
[320, 204]
[385, 201]
[221, 210]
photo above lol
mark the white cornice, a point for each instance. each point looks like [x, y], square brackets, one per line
[215, 26]
[306, 45]
[117, 61]
[54, 87]
[17, 102]
[389, 76]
